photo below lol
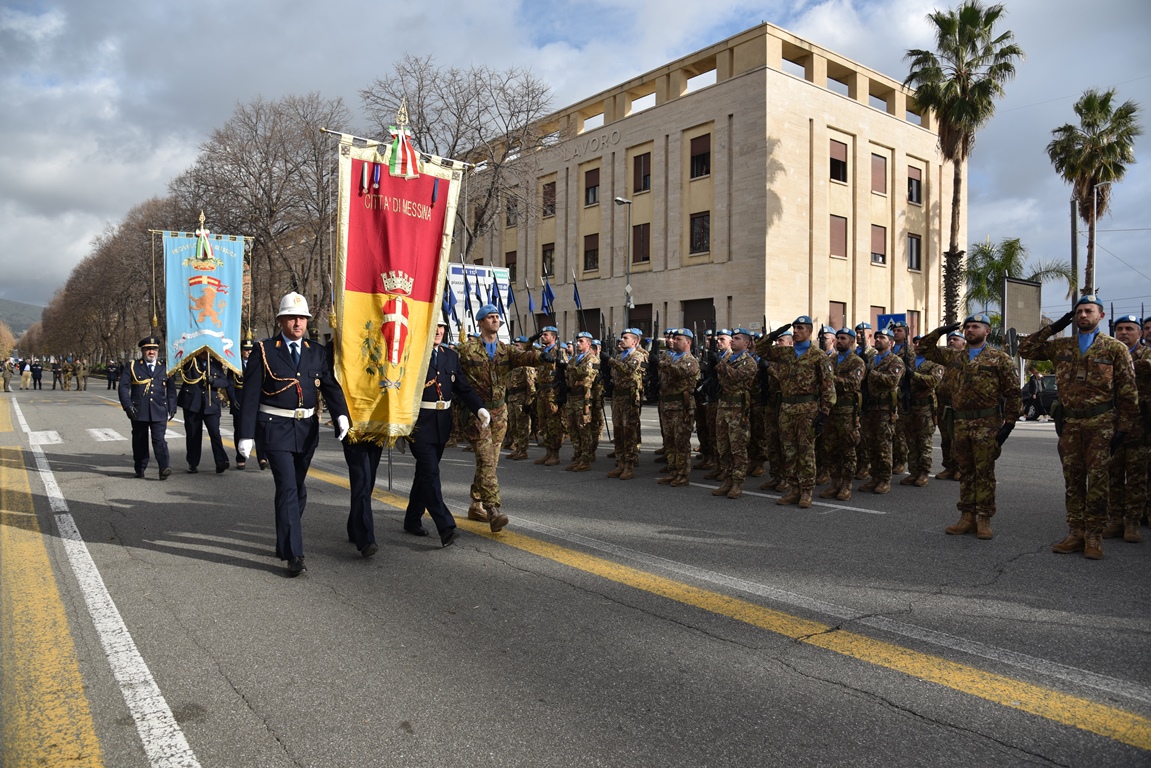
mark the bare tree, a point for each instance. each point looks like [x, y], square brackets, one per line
[495, 119]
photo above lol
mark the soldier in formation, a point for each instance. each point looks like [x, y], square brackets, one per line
[880, 411]
[580, 374]
[1129, 467]
[736, 373]
[918, 419]
[841, 432]
[943, 392]
[627, 370]
[549, 412]
[521, 401]
[678, 375]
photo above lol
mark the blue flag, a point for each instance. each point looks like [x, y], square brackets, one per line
[204, 275]
[575, 295]
[450, 302]
[467, 296]
[548, 298]
[511, 302]
[531, 302]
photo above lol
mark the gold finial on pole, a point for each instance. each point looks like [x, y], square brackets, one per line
[202, 219]
[402, 113]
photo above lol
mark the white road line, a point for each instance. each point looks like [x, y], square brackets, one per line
[105, 435]
[1004, 656]
[164, 743]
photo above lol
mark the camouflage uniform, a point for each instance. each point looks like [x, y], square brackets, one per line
[918, 420]
[807, 388]
[863, 450]
[981, 384]
[880, 417]
[757, 448]
[597, 415]
[841, 432]
[580, 373]
[769, 384]
[942, 403]
[1129, 464]
[627, 373]
[549, 414]
[489, 377]
[899, 447]
[521, 398]
[1099, 397]
[736, 375]
[82, 376]
[678, 375]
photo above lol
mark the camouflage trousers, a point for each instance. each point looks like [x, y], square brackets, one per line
[840, 438]
[577, 414]
[486, 442]
[519, 425]
[757, 448]
[771, 440]
[879, 432]
[705, 429]
[797, 443]
[1085, 450]
[625, 413]
[945, 438]
[551, 422]
[732, 435]
[975, 450]
[918, 431]
[899, 440]
[597, 422]
[1129, 480]
[863, 450]
[677, 425]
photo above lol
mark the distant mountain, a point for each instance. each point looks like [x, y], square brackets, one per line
[19, 315]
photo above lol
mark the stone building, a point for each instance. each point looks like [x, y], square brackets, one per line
[764, 176]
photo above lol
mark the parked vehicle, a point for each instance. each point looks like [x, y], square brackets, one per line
[1038, 403]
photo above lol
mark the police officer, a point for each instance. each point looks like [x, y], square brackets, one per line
[986, 403]
[148, 396]
[113, 374]
[1099, 404]
[203, 377]
[282, 382]
[37, 374]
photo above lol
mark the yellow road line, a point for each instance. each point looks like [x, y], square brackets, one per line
[5, 416]
[45, 711]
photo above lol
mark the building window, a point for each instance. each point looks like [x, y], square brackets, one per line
[548, 206]
[700, 232]
[701, 156]
[510, 263]
[591, 253]
[641, 244]
[878, 244]
[512, 212]
[914, 252]
[839, 236]
[879, 174]
[838, 161]
[914, 185]
[875, 313]
[641, 181]
[548, 259]
[912, 323]
[837, 314]
[591, 187]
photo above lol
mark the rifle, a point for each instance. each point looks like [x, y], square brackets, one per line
[651, 383]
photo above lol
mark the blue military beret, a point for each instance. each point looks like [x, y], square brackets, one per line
[863, 327]
[683, 332]
[634, 332]
[980, 317]
[802, 320]
[786, 333]
[596, 342]
[521, 339]
[1089, 298]
[827, 329]
[741, 332]
[1128, 319]
[845, 332]
[485, 310]
[955, 333]
[550, 328]
[883, 332]
[898, 324]
[917, 338]
[563, 345]
[724, 332]
[583, 335]
[669, 332]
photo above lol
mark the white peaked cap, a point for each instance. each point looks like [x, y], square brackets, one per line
[293, 304]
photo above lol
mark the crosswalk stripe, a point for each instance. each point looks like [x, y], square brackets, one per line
[105, 435]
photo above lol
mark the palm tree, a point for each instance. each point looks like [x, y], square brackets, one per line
[989, 263]
[1094, 155]
[959, 81]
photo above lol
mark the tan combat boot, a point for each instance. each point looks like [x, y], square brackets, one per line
[736, 490]
[805, 499]
[680, 481]
[756, 470]
[1073, 543]
[544, 458]
[844, 491]
[628, 472]
[899, 469]
[983, 527]
[823, 478]
[946, 474]
[1131, 531]
[496, 519]
[882, 487]
[582, 466]
[769, 485]
[666, 479]
[723, 489]
[790, 497]
[617, 471]
[519, 455]
[921, 480]
[966, 524]
[870, 485]
[714, 474]
[553, 459]
[476, 512]
[1093, 544]
[830, 492]
[1113, 529]
[909, 480]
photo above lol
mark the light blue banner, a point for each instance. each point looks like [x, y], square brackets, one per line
[205, 290]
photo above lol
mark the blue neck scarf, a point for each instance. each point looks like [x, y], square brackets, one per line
[879, 356]
[840, 358]
[973, 352]
[677, 355]
[802, 347]
[1086, 340]
[490, 346]
[919, 360]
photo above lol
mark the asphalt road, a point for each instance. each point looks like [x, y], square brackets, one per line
[612, 624]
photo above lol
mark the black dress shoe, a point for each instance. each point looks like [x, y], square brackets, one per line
[263, 463]
[165, 472]
[192, 471]
[421, 531]
[240, 464]
[220, 468]
[449, 538]
[296, 567]
[139, 473]
[369, 550]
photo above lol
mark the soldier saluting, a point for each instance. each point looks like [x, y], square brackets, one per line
[148, 396]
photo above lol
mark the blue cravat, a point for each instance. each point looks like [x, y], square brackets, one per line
[434, 360]
[295, 347]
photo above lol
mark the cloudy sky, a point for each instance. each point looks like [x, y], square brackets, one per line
[104, 102]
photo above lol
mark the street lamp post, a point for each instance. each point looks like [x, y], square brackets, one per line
[627, 304]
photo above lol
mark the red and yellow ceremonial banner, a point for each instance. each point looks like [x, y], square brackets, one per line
[394, 235]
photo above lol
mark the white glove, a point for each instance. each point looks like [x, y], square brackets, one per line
[485, 417]
[342, 423]
[245, 447]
